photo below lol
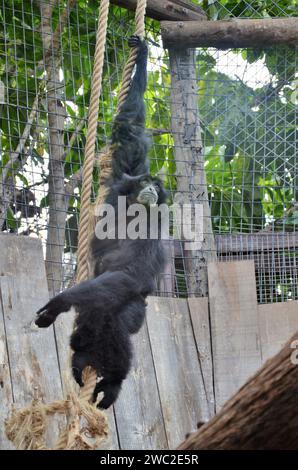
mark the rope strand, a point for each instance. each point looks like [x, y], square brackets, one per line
[90, 141]
[26, 427]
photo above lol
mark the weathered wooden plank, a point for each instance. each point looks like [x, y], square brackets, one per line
[179, 377]
[234, 326]
[6, 397]
[199, 311]
[32, 351]
[167, 9]
[138, 411]
[278, 322]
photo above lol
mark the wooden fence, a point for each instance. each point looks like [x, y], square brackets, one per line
[190, 356]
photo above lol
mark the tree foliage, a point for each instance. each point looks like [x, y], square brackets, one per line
[249, 133]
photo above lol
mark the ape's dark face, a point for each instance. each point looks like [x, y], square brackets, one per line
[144, 189]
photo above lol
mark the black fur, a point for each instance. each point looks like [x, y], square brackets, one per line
[112, 305]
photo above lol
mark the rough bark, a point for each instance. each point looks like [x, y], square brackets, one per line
[6, 196]
[262, 415]
[190, 174]
[166, 286]
[56, 119]
[167, 9]
[227, 34]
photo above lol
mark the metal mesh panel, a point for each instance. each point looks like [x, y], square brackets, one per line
[247, 111]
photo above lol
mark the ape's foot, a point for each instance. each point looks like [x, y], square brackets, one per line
[80, 360]
[110, 390]
[48, 314]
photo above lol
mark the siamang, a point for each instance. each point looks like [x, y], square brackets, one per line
[112, 305]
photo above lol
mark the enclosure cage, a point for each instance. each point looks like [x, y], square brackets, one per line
[240, 107]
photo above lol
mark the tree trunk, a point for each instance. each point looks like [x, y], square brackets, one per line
[262, 415]
[190, 173]
[7, 190]
[226, 34]
[56, 119]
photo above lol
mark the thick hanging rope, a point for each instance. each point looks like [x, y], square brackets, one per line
[106, 159]
[83, 245]
[26, 428]
[128, 69]
[105, 167]
[82, 273]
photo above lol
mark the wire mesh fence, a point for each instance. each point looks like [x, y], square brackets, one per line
[245, 103]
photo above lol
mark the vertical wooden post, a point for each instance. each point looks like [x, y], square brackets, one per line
[191, 180]
[166, 285]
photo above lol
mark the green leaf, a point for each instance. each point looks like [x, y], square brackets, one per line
[11, 220]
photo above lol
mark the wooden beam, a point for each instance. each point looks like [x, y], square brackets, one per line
[262, 415]
[232, 33]
[173, 10]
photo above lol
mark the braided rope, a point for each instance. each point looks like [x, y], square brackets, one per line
[105, 166]
[106, 159]
[128, 69]
[26, 427]
[90, 142]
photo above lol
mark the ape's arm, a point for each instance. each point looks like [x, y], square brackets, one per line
[133, 109]
[129, 142]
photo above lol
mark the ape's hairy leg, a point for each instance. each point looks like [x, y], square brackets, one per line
[115, 369]
[109, 291]
[86, 340]
[132, 315]
[109, 353]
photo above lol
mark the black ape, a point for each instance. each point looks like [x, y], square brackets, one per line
[112, 305]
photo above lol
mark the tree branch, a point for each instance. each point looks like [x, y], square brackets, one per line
[15, 155]
[62, 22]
[74, 180]
[74, 135]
